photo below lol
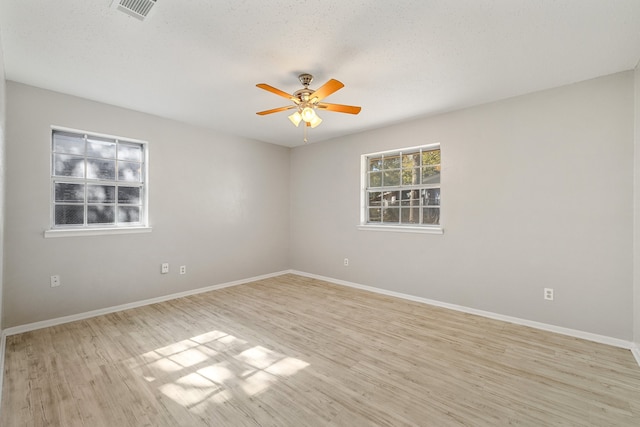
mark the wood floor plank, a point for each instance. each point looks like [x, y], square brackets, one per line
[291, 351]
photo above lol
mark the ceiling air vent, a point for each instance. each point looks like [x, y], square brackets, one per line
[137, 8]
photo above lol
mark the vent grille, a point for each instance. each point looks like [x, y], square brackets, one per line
[139, 9]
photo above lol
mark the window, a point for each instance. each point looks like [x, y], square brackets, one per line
[401, 189]
[97, 181]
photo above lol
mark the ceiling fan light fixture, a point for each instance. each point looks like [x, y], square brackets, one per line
[295, 118]
[308, 114]
[315, 121]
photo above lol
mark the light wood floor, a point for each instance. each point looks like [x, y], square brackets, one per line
[293, 351]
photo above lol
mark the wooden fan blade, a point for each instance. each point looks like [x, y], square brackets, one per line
[272, 89]
[325, 90]
[275, 110]
[339, 108]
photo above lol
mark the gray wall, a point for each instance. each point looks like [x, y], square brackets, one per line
[218, 204]
[537, 191]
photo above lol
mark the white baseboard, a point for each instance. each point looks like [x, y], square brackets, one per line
[518, 321]
[635, 350]
[86, 315]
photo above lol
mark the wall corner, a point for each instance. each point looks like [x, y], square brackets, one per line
[636, 214]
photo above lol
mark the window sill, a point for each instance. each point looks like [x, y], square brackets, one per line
[95, 231]
[401, 229]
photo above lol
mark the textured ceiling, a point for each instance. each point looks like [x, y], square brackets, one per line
[198, 61]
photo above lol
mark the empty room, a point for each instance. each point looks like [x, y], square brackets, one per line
[329, 213]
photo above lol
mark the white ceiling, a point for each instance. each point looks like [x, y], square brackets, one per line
[198, 61]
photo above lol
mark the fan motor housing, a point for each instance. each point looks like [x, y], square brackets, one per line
[303, 94]
[305, 79]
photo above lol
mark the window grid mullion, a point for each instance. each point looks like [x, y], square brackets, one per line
[86, 203]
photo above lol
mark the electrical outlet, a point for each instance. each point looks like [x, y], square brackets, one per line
[548, 294]
[183, 269]
[55, 281]
[346, 262]
[165, 268]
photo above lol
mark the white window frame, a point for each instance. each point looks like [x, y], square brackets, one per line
[141, 226]
[364, 188]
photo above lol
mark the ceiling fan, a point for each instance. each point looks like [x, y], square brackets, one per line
[306, 101]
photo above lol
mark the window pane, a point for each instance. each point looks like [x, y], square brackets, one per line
[375, 198]
[100, 214]
[391, 198]
[411, 176]
[69, 214]
[411, 160]
[130, 214]
[129, 195]
[391, 178]
[391, 162]
[375, 214]
[65, 192]
[101, 148]
[410, 215]
[375, 164]
[101, 169]
[375, 179]
[130, 152]
[128, 171]
[411, 198]
[431, 157]
[66, 165]
[68, 143]
[431, 216]
[101, 194]
[431, 175]
[391, 215]
[431, 197]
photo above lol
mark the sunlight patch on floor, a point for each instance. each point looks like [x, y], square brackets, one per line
[191, 357]
[218, 373]
[165, 365]
[213, 368]
[286, 367]
[259, 357]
